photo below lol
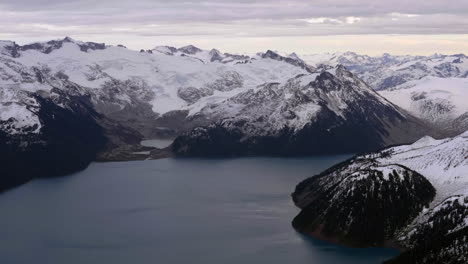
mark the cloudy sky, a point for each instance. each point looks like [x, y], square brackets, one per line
[304, 26]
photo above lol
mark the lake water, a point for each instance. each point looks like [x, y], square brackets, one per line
[168, 211]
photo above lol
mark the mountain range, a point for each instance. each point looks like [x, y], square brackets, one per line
[106, 99]
[429, 87]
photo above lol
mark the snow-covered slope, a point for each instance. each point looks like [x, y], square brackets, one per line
[373, 185]
[18, 112]
[435, 99]
[443, 162]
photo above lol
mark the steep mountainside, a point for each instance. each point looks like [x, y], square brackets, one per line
[46, 135]
[330, 111]
[386, 195]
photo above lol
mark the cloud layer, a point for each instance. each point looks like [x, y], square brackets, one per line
[107, 19]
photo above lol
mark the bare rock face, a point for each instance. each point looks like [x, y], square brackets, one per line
[215, 55]
[192, 94]
[229, 81]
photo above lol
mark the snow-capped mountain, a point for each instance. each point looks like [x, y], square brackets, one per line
[433, 88]
[329, 111]
[148, 90]
[387, 71]
[143, 88]
[398, 183]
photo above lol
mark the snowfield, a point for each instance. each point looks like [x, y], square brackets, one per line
[164, 74]
[431, 98]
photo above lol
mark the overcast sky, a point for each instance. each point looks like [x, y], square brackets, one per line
[304, 26]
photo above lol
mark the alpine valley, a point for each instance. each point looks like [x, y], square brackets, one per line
[66, 103]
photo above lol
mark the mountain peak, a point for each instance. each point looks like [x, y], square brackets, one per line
[189, 49]
[215, 51]
[271, 54]
[168, 50]
[296, 62]
[349, 53]
[215, 55]
[294, 56]
[68, 39]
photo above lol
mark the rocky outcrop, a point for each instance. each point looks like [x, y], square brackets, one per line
[192, 94]
[215, 55]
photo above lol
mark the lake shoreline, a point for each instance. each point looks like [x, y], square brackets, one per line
[388, 244]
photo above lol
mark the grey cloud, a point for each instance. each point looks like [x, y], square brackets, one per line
[23, 18]
[176, 10]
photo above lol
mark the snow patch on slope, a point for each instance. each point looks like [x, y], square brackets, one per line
[17, 113]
